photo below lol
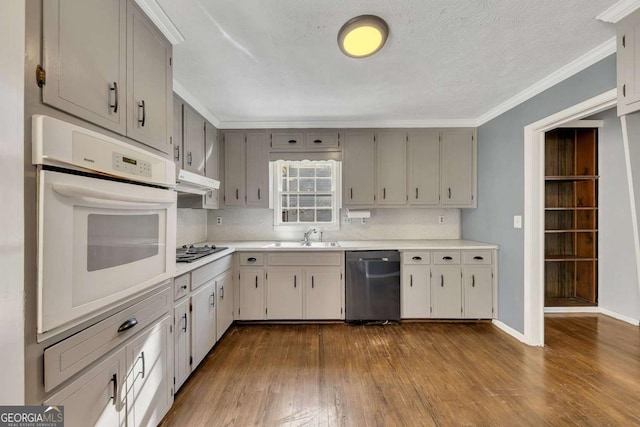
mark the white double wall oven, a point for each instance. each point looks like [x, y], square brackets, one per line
[106, 223]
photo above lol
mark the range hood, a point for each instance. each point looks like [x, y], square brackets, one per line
[189, 182]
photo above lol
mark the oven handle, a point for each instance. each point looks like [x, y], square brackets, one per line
[107, 197]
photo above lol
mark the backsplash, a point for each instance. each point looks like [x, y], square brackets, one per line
[192, 226]
[242, 224]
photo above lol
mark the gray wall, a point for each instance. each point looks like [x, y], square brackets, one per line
[501, 179]
[617, 272]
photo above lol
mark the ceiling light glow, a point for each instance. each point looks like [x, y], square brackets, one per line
[363, 36]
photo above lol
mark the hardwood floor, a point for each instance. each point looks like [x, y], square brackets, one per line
[417, 374]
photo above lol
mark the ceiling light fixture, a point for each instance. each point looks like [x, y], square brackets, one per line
[362, 36]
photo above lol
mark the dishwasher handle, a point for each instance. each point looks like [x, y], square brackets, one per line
[373, 259]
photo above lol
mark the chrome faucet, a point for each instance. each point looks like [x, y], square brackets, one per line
[305, 239]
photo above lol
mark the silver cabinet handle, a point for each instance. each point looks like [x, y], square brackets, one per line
[442, 280]
[221, 292]
[184, 328]
[144, 113]
[189, 158]
[212, 298]
[144, 368]
[114, 380]
[115, 93]
[177, 156]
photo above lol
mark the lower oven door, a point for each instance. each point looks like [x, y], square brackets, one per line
[100, 241]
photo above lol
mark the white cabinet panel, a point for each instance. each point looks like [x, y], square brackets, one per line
[257, 170]
[457, 167]
[203, 317]
[415, 295]
[224, 311]
[182, 343]
[358, 170]
[323, 293]
[392, 162]
[424, 167]
[96, 397]
[284, 293]
[446, 292]
[234, 169]
[252, 294]
[478, 292]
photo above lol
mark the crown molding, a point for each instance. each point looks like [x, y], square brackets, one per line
[159, 17]
[618, 11]
[183, 93]
[348, 124]
[605, 49]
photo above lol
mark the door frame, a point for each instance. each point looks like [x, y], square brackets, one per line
[534, 138]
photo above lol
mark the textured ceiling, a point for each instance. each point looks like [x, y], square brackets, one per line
[278, 60]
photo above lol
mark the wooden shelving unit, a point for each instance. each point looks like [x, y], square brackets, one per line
[571, 217]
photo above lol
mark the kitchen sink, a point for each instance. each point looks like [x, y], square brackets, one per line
[303, 245]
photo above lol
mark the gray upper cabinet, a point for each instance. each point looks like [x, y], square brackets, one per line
[149, 82]
[193, 141]
[392, 159]
[177, 132]
[211, 152]
[628, 64]
[458, 168]
[234, 169]
[84, 55]
[322, 140]
[257, 189]
[358, 170]
[289, 140]
[423, 167]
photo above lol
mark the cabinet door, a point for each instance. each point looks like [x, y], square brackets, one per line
[224, 311]
[252, 294]
[149, 370]
[177, 132]
[358, 169]
[478, 292]
[194, 157]
[415, 298]
[628, 64]
[392, 165]
[211, 151]
[322, 140]
[446, 293]
[457, 167]
[204, 321]
[182, 343]
[84, 55]
[424, 167]
[149, 82]
[284, 293]
[234, 169]
[95, 398]
[323, 290]
[289, 140]
[257, 170]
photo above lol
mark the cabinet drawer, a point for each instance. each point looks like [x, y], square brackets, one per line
[446, 257]
[72, 355]
[416, 257]
[322, 140]
[288, 140]
[251, 258]
[307, 259]
[476, 257]
[181, 286]
[202, 275]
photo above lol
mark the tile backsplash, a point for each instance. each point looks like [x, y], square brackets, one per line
[192, 226]
[242, 224]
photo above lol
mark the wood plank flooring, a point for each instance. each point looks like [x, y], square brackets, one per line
[416, 374]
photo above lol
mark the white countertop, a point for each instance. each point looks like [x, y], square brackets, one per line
[401, 245]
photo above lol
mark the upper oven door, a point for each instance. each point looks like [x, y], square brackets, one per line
[100, 241]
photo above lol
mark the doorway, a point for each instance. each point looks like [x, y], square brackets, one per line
[534, 203]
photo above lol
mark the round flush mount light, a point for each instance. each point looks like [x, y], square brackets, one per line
[362, 36]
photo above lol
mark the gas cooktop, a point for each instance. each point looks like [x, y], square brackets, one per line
[191, 253]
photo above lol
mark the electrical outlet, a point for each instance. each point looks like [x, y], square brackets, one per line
[517, 221]
[219, 220]
[347, 220]
[441, 219]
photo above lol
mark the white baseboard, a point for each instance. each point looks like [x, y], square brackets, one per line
[616, 315]
[572, 310]
[509, 330]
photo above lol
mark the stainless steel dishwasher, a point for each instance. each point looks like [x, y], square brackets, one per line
[373, 286]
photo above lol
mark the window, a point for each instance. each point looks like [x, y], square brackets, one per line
[306, 193]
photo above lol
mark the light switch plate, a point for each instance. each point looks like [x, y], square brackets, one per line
[517, 221]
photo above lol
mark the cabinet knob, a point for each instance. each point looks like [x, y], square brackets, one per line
[130, 323]
[417, 258]
[293, 141]
[183, 287]
[317, 141]
[447, 258]
[251, 259]
[479, 258]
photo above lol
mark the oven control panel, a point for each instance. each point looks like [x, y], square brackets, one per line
[131, 165]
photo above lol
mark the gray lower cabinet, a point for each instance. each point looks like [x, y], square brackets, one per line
[446, 292]
[182, 342]
[323, 293]
[193, 143]
[457, 168]
[284, 293]
[84, 55]
[478, 292]
[203, 318]
[423, 173]
[358, 169]
[415, 301]
[252, 293]
[149, 82]
[392, 163]
[106, 63]
[224, 309]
